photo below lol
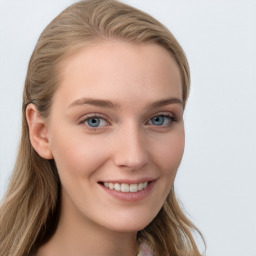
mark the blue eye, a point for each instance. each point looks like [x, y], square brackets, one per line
[161, 120]
[95, 122]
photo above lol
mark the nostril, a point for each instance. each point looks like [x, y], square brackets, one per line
[131, 160]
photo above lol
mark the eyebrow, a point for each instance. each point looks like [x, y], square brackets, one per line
[165, 102]
[95, 102]
[111, 105]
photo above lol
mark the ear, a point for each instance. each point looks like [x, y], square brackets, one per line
[38, 132]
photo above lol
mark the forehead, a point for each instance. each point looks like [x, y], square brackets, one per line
[117, 69]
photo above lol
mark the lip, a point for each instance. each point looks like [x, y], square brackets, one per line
[129, 196]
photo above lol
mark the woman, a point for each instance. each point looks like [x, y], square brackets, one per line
[102, 139]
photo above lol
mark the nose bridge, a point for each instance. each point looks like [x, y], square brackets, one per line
[131, 151]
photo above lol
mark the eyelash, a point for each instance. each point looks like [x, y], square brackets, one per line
[94, 116]
[170, 117]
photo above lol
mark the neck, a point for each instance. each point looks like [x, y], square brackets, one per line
[76, 235]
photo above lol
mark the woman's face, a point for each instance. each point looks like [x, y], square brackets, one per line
[116, 133]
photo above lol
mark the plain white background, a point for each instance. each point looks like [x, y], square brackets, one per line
[216, 181]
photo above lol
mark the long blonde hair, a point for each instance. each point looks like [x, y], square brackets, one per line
[30, 209]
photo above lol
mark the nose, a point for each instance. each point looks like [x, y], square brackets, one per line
[131, 149]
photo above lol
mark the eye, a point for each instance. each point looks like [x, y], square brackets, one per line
[161, 120]
[95, 122]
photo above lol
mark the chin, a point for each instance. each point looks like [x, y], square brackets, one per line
[131, 223]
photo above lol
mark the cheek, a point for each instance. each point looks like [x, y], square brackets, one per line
[167, 158]
[169, 152]
[78, 155]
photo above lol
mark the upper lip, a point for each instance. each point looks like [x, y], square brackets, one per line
[128, 181]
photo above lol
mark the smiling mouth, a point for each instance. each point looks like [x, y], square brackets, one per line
[123, 187]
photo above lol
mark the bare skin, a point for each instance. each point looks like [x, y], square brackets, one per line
[117, 117]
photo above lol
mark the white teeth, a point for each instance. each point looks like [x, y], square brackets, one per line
[133, 188]
[117, 187]
[126, 187]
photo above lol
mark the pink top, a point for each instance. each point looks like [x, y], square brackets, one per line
[144, 250]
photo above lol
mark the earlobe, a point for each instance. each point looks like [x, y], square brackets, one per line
[38, 132]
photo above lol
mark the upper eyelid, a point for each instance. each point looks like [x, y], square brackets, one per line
[91, 115]
[162, 113]
[171, 119]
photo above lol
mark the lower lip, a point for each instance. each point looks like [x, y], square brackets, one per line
[130, 196]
